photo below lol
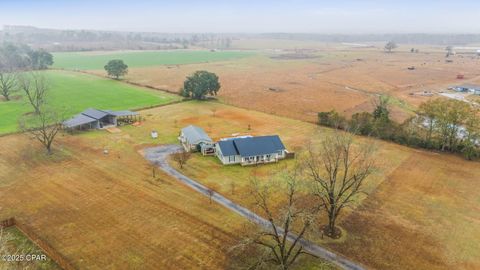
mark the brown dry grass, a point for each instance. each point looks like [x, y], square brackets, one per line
[104, 211]
[335, 80]
[421, 213]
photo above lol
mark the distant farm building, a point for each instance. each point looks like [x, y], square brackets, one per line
[98, 119]
[475, 89]
[250, 150]
[195, 139]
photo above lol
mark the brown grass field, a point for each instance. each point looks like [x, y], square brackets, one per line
[106, 212]
[335, 77]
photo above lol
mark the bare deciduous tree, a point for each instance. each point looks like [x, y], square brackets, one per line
[8, 84]
[338, 171]
[43, 126]
[35, 87]
[278, 242]
[181, 157]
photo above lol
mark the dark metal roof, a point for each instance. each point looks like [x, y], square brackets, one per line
[78, 120]
[122, 113]
[228, 148]
[251, 146]
[91, 115]
[94, 113]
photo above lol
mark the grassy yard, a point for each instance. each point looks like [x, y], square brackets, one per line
[97, 60]
[74, 92]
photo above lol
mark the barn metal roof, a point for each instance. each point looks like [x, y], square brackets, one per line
[122, 113]
[91, 115]
[79, 120]
[194, 134]
[94, 113]
[251, 146]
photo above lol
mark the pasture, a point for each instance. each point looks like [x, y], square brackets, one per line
[416, 200]
[134, 59]
[72, 93]
[334, 77]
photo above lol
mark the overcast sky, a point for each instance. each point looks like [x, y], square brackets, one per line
[305, 16]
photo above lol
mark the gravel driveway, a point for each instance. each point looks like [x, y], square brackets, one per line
[159, 156]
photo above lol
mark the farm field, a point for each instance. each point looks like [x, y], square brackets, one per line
[74, 92]
[97, 60]
[106, 211]
[420, 212]
[329, 77]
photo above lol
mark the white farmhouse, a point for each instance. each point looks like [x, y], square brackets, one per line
[250, 150]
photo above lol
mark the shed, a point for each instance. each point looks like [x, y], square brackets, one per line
[194, 138]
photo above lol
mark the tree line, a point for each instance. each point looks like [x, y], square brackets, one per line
[439, 124]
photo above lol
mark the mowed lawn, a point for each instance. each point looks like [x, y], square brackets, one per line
[97, 60]
[72, 93]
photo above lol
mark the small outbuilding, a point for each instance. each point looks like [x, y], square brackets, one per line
[195, 139]
[250, 150]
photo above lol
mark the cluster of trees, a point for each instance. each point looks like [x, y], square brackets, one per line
[22, 57]
[440, 124]
[294, 203]
[15, 59]
[200, 84]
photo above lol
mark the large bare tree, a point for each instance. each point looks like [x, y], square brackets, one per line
[181, 157]
[35, 87]
[8, 84]
[276, 244]
[43, 126]
[338, 170]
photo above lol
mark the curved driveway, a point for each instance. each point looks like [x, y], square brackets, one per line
[159, 156]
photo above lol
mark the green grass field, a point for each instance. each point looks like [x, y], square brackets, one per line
[97, 60]
[75, 92]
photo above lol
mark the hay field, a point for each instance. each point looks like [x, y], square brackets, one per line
[72, 93]
[422, 208]
[97, 60]
[335, 77]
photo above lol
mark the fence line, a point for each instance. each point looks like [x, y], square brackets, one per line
[38, 241]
